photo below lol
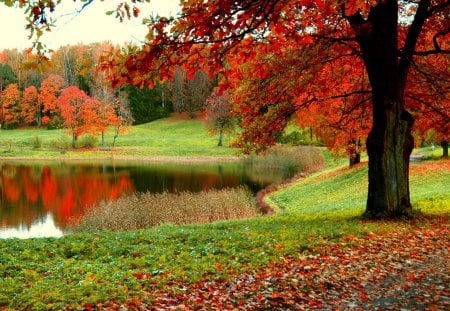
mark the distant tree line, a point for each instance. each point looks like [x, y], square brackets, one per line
[30, 86]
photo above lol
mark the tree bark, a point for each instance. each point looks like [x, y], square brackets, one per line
[355, 159]
[219, 143]
[444, 145]
[390, 141]
[389, 146]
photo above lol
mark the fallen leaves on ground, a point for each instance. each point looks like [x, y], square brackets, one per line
[406, 269]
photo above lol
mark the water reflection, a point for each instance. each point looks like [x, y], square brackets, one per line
[41, 228]
[40, 200]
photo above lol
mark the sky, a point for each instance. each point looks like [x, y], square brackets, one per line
[91, 25]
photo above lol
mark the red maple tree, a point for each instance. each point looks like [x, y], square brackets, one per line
[10, 105]
[30, 105]
[48, 98]
[381, 40]
[75, 110]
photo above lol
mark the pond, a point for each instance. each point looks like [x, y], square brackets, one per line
[39, 200]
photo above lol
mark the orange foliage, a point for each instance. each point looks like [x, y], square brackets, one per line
[11, 104]
[30, 105]
[48, 95]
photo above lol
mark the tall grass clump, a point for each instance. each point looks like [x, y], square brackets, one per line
[86, 141]
[290, 160]
[146, 210]
[36, 142]
[60, 143]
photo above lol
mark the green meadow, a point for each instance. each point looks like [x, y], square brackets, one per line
[167, 137]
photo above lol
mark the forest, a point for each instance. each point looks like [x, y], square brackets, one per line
[65, 90]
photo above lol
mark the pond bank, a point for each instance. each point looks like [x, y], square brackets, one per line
[169, 159]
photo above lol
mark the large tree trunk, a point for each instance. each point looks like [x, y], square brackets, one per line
[390, 142]
[389, 146]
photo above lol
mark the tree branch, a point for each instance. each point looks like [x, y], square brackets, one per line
[437, 48]
[411, 39]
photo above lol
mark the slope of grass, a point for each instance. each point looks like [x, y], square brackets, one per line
[345, 190]
[167, 137]
[85, 269]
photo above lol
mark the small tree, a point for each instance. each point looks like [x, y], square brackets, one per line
[103, 115]
[30, 106]
[11, 105]
[48, 98]
[122, 119]
[220, 115]
[71, 103]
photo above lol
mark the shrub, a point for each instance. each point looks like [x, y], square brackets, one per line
[145, 210]
[291, 160]
[36, 142]
[9, 144]
[87, 141]
[61, 143]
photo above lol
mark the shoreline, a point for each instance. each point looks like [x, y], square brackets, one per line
[149, 159]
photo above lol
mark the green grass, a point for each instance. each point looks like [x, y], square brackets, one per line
[79, 269]
[321, 193]
[167, 137]
[346, 192]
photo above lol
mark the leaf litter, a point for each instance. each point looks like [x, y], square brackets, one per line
[404, 269]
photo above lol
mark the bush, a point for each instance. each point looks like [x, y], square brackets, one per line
[9, 144]
[10, 126]
[61, 143]
[36, 142]
[291, 160]
[145, 210]
[87, 141]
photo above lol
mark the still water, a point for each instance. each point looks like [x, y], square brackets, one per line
[39, 200]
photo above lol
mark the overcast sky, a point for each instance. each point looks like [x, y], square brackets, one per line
[92, 25]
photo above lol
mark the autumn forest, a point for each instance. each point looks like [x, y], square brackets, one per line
[67, 91]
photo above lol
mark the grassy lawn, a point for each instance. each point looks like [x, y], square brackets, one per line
[314, 212]
[167, 137]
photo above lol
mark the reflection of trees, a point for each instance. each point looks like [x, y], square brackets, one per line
[28, 193]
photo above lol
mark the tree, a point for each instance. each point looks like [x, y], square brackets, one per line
[48, 98]
[101, 116]
[123, 117]
[75, 111]
[11, 105]
[189, 91]
[30, 106]
[384, 37]
[220, 115]
[6, 76]
[432, 117]
[147, 105]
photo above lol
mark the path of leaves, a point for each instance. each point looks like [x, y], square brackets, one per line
[403, 270]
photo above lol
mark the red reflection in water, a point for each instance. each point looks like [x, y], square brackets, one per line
[29, 193]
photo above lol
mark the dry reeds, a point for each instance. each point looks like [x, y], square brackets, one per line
[145, 210]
